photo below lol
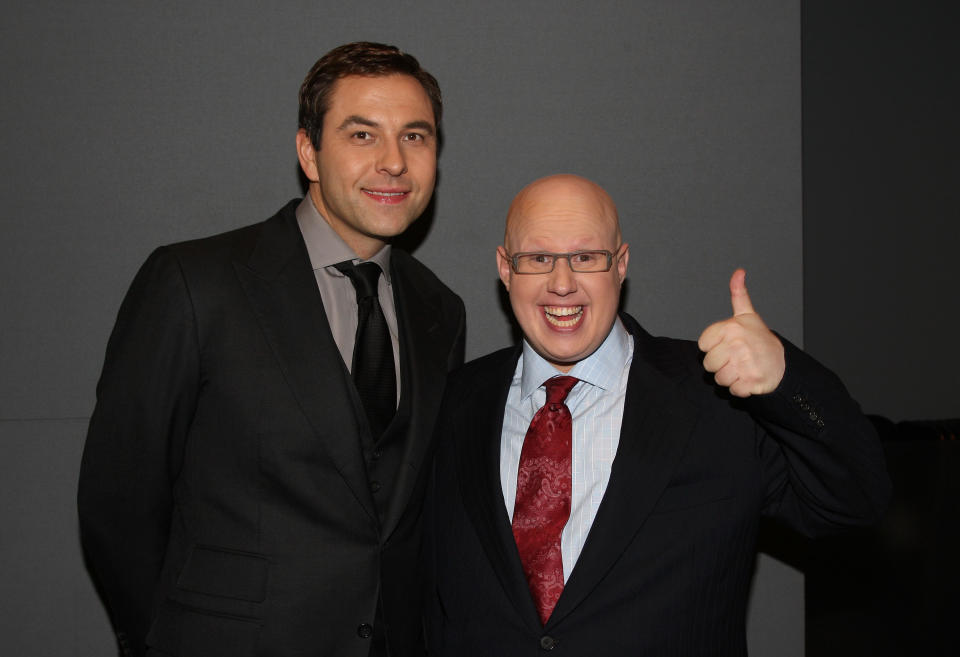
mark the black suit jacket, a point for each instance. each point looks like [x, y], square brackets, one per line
[225, 502]
[667, 563]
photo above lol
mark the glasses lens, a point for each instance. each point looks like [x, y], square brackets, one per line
[589, 261]
[534, 263]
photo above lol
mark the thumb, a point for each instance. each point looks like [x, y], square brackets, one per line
[739, 298]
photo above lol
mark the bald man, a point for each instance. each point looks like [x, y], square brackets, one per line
[597, 492]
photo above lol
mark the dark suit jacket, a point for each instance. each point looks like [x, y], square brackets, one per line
[667, 564]
[225, 504]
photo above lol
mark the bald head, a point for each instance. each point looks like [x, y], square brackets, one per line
[565, 312]
[556, 203]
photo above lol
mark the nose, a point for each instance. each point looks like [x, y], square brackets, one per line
[391, 159]
[562, 280]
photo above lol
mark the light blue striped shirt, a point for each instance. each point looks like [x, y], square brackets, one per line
[596, 404]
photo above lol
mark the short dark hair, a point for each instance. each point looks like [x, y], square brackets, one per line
[359, 58]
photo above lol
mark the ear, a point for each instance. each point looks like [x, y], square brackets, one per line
[503, 267]
[308, 156]
[622, 262]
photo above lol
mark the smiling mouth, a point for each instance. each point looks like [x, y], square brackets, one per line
[563, 316]
[386, 197]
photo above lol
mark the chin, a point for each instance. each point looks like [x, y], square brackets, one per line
[564, 360]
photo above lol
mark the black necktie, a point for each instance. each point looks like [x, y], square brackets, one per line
[373, 370]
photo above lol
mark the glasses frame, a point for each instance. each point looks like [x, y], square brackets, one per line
[515, 261]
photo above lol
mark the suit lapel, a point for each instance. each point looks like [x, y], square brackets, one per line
[423, 361]
[478, 467]
[657, 422]
[283, 293]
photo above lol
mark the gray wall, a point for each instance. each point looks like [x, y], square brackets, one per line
[127, 125]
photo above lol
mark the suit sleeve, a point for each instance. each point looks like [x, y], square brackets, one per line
[823, 462]
[145, 402]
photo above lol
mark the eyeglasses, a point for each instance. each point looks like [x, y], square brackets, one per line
[579, 261]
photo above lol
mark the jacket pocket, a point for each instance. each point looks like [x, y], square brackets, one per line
[225, 573]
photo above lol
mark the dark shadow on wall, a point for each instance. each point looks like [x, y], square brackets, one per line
[892, 590]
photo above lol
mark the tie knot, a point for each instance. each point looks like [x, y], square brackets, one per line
[559, 387]
[363, 276]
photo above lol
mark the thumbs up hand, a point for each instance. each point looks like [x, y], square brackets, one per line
[744, 355]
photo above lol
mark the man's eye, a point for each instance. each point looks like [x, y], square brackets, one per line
[361, 134]
[585, 258]
[540, 258]
[414, 137]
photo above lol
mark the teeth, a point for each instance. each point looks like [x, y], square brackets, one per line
[554, 313]
[563, 311]
[386, 193]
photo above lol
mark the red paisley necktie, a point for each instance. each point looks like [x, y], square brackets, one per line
[542, 506]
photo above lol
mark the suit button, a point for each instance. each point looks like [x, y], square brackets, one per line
[365, 631]
[548, 642]
[374, 486]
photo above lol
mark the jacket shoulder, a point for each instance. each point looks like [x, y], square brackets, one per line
[234, 244]
[672, 357]
[494, 369]
[492, 362]
[421, 276]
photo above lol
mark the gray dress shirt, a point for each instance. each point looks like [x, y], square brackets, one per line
[326, 249]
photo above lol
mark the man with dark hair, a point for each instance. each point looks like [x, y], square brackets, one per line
[254, 469]
[600, 493]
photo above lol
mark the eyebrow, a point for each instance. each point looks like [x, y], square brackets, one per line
[426, 126]
[356, 119]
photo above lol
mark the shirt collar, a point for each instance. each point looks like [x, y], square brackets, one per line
[602, 368]
[325, 247]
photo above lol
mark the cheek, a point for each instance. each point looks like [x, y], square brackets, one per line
[525, 310]
[334, 171]
[424, 170]
[523, 293]
[425, 159]
[605, 302]
[349, 162]
[519, 308]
